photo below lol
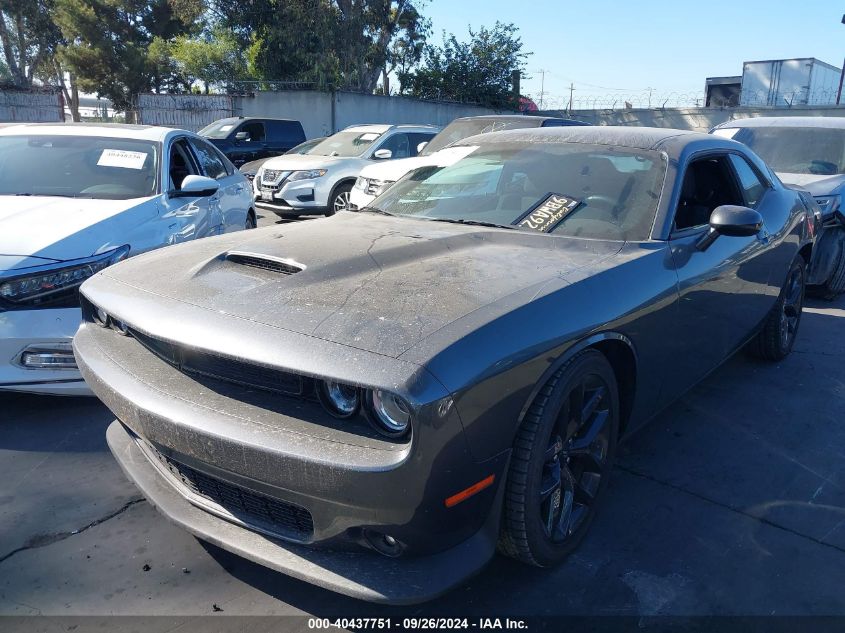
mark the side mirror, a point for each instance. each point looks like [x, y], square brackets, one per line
[731, 221]
[421, 146]
[382, 154]
[196, 187]
[242, 136]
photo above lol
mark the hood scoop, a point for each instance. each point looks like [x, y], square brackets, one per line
[265, 262]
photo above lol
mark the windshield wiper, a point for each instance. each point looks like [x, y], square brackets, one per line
[374, 210]
[472, 223]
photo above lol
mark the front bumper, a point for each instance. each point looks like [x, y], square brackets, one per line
[349, 485]
[359, 198]
[362, 575]
[43, 329]
[299, 196]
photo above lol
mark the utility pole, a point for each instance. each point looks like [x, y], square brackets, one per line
[542, 85]
[841, 76]
[571, 90]
[650, 90]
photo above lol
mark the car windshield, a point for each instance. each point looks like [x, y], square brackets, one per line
[591, 191]
[795, 150]
[304, 148]
[461, 129]
[345, 143]
[218, 129]
[75, 166]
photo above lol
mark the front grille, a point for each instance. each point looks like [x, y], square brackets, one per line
[192, 361]
[259, 511]
[269, 178]
[274, 264]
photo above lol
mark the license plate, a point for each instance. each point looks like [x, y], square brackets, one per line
[267, 196]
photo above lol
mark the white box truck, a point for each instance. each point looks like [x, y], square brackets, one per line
[788, 82]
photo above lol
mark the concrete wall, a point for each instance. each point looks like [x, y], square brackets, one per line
[313, 109]
[320, 116]
[30, 107]
[321, 113]
[189, 112]
[699, 119]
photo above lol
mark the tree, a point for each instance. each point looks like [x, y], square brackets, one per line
[29, 39]
[108, 44]
[213, 59]
[340, 43]
[477, 71]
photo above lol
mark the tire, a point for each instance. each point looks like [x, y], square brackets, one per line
[777, 337]
[251, 222]
[339, 200]
[561, 462]
[836, 284]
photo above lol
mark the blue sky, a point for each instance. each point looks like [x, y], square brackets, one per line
[623, 47]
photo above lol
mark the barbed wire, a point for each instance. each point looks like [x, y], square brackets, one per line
[694, 99]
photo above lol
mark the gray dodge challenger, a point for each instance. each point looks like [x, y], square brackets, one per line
[376, 402]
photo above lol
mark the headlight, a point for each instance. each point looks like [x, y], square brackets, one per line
[373, 186]
[342, 401]
[35, 288]
[392, 414]
[307, 174]
[828, 204]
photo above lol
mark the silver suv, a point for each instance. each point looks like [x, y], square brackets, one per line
[320, 180]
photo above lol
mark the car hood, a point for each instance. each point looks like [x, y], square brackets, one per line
[393, 170]
[292, 162]
[40, 229]
[370, 282]
[816, 185]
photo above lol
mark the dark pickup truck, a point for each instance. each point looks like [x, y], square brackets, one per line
[244, 139]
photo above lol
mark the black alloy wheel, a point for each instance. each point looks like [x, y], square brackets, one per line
[561, 462]
[776, 339]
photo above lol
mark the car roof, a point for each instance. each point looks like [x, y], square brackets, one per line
[626, 136]
[381, 129]
[113, 130]
[511, 117]
[787, 121]
[238, 119]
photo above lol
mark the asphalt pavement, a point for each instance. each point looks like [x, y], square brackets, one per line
[730, 502]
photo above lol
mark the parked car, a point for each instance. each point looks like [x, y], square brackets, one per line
[244, 139]
[251, 168]
[376, 178]
[321, 180]
[77, 198]
[454, 371]
[807, 153]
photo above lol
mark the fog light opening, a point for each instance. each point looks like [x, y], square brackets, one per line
[383, 543]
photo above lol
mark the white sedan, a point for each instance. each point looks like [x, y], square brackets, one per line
[77, 198]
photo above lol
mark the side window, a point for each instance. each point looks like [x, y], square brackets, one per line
[708, 183]
[209, 160]
[254, 130]
[181, 164]
[399, 144]
[417, 138]
[751, 185]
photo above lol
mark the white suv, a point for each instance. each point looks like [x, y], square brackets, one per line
[376, 178]
[320, 180]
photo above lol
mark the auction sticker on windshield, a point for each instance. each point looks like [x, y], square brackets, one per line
[122, 158]
[548, 213]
